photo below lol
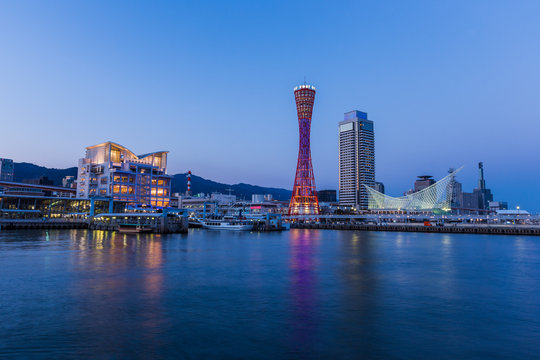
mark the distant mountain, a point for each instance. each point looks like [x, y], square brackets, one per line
[242, 191]
[23, 171]
[27, 171]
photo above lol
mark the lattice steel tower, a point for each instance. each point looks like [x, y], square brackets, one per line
[304, 197]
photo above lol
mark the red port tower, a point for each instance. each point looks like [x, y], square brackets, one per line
[304, 197]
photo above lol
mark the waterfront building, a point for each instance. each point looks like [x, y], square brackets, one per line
[35, 205]
[437, 196]
[356, 159]
[498, 205]
[6, 169]
[17, 188]
[223, 199]
[111, 170]
[304, 197]
[379, 186]
[198, 204]
[327, 196]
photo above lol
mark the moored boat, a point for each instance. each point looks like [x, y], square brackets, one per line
[227, 224]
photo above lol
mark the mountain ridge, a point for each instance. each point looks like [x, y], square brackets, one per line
[26, 171]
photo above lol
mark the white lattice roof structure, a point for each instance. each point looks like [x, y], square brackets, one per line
[436, 196]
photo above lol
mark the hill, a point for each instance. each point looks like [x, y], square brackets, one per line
[241, 190]
[25, 171]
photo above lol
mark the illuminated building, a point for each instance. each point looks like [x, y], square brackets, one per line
[356, 159]
[304, 197]
[111, 170]
[437, 196]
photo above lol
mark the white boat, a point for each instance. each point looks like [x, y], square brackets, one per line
[227, 224]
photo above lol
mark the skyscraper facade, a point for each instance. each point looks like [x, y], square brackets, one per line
[304, 197]
[356, 159]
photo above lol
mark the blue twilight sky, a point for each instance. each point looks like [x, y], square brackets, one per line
[448, 83]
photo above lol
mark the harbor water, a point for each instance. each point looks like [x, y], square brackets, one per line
[303, 294]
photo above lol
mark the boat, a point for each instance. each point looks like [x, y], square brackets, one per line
[133, 228]
[235, 224]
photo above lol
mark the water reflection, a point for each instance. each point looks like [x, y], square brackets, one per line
[303, 263]
[296, 294]
[119, 276]
[360, 303]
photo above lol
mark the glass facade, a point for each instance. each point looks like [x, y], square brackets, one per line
[27, 207]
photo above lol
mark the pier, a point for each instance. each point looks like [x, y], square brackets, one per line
[468, 224]
[451, 228]
[158, 223]
[15, 224]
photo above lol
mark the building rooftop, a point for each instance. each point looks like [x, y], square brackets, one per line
[126, 149]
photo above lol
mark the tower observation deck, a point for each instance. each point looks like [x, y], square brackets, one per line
[304, 197]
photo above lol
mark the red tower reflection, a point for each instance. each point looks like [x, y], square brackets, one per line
[304, 197]
[304, 300]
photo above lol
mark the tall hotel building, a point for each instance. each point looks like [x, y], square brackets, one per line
[356, 159]
[111, 170]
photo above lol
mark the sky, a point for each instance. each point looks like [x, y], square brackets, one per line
[447, 83]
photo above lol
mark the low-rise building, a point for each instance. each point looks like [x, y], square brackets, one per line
[498, 205]
[69, 182]
[223, 199]
[260, 198]
[111, 170]
[327, 196]
[42, 180]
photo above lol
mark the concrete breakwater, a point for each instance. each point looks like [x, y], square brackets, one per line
[466, 229]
